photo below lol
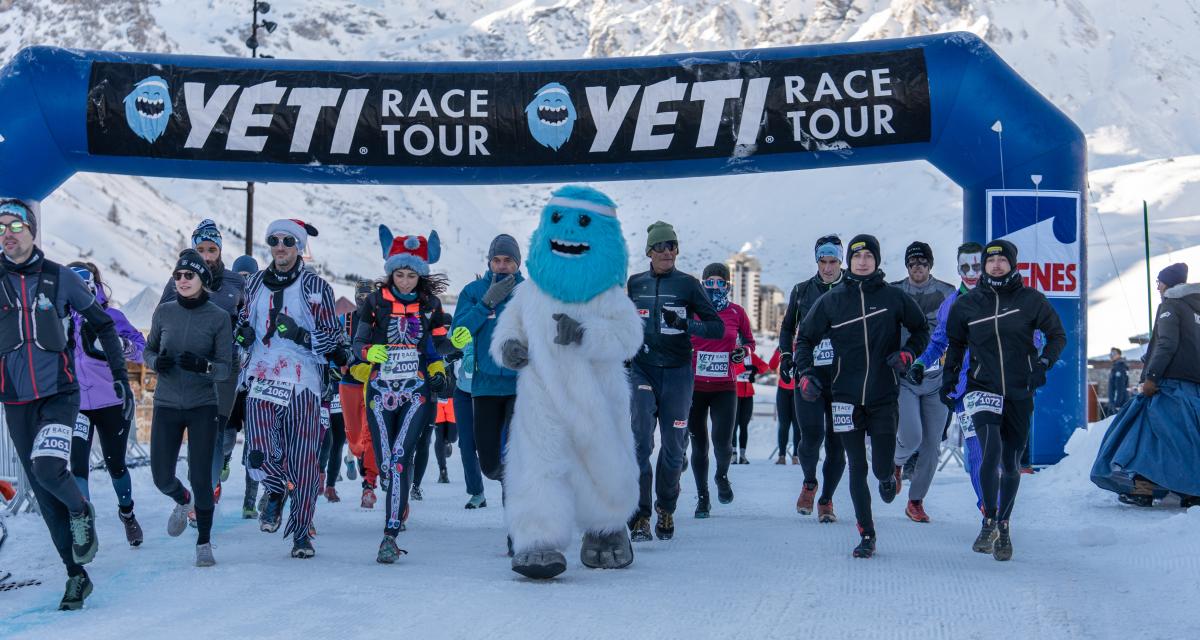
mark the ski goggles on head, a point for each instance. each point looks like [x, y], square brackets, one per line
[288, 241]
[715, 283]
[85, 274]
[660, 247]
[16, 226]
[917, 262]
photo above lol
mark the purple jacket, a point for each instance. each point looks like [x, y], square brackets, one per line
[95, 378]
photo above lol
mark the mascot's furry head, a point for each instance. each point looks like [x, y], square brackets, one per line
[148, 108]
[578, 250]
[409, 252]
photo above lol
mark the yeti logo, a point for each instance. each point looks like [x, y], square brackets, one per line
[148, 107]
[551, 116]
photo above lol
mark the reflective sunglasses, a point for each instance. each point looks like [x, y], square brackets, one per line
[288, 241]
[715, 283]
[184, 275]
[16, 226]
[669, 245]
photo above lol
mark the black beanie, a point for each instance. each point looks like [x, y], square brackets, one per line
[716, 269]
[1003, 248]
[918, 249]
[863, 242]
[189, 260]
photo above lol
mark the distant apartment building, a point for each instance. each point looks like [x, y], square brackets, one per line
[745, 273]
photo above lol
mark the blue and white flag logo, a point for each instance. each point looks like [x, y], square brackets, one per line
[1045, 227]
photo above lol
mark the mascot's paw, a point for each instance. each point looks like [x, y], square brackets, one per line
[539, 564]
[606, 550]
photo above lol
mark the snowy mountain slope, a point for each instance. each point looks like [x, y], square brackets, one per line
[1125, 71]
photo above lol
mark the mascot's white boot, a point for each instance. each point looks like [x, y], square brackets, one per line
[569, 330]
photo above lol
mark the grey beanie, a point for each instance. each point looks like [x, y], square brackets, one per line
[505, 245]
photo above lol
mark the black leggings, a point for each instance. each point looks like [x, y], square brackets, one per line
[1003, 439]
[785, 413]
[745, 411]
[880, 423]
[816, 426]
[113, 431]
[166, 438]
[492, 417]
[330, 457]
[439, 450]
[721, 405]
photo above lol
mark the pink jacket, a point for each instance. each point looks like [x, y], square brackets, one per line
[711, 362]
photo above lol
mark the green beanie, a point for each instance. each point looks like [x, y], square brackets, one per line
[659, 232]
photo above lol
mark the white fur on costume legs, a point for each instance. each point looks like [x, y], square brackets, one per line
[605, 480]
[540, 504]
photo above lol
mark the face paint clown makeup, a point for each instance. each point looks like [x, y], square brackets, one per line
[970, 268]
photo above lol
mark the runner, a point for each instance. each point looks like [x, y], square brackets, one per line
[354, 414]
[40, 391]
[289, 328]
[661, 374]
[329, 461]
[244, 266]
[862, 319]
[815, 415]
[99, 405]
[401, 326]
[747, 373]
[493, 386]
[464, 416]
[191, 348]
[785, 412]
[715, 388]
[997, 321]
[923, 417]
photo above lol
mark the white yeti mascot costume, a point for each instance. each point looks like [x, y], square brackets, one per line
[569, 330]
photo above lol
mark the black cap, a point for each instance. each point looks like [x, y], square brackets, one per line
[189, 260]
[863, 242]
[1002, 248]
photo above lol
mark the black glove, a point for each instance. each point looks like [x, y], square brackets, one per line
[340, 356]
[751, 368]
[437, 382]
[244, 336]
[286, 327]
[125, 395]
[1037, 377]
[739, 355]
[569, 330]
[672, 320]
[753, 376]
[810, 388]
[189, 361]
[916, 373]
[453, 356]
[164, 363]
[786, 367]
[900, 361]
[945, 393]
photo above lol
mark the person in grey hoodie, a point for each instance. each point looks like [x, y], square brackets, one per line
[191, 347]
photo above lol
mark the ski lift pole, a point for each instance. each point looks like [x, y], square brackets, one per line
[1149, 281]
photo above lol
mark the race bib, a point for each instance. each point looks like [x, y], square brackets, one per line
[662, 324]
[324, 418]
[335, 405]
[843, 417]
[823, 354]
[965, 425]
[979, 401]
[744, 377]
[53, 441]
[273, 391]
[712, 364]
[402, 364]
[82, 426]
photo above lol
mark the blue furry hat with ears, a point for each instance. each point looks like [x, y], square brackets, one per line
[409, 252]
[578, 251]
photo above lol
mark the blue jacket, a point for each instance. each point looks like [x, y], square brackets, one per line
[938, 342]
[490, 378]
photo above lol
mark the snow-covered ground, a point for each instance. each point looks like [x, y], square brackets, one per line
[1084, 567]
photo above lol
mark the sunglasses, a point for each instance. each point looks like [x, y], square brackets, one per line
[918, 262]
[660, 247]
[16, 226]
[288, 241]
[184, 275]
[715, 283]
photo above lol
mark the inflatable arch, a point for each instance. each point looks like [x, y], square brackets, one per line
[948, 99]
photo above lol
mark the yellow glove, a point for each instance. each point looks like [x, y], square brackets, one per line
[460, 338]
[436, 367]
[361, 372]
[377, 354]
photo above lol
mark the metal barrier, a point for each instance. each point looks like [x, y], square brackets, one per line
[12, 471]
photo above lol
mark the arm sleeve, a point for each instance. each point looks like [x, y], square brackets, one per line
[1051, 327]
[1166, 342]
[150, 353]
[222, 363]
[327, 332]
[787, 328]
[917, 324]
[937, 339]
[812, 329]
[710, 324]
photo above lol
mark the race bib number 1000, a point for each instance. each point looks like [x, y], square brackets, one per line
[402, 364]
[843, 417]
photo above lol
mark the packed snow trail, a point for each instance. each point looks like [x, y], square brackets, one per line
[755, 569]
